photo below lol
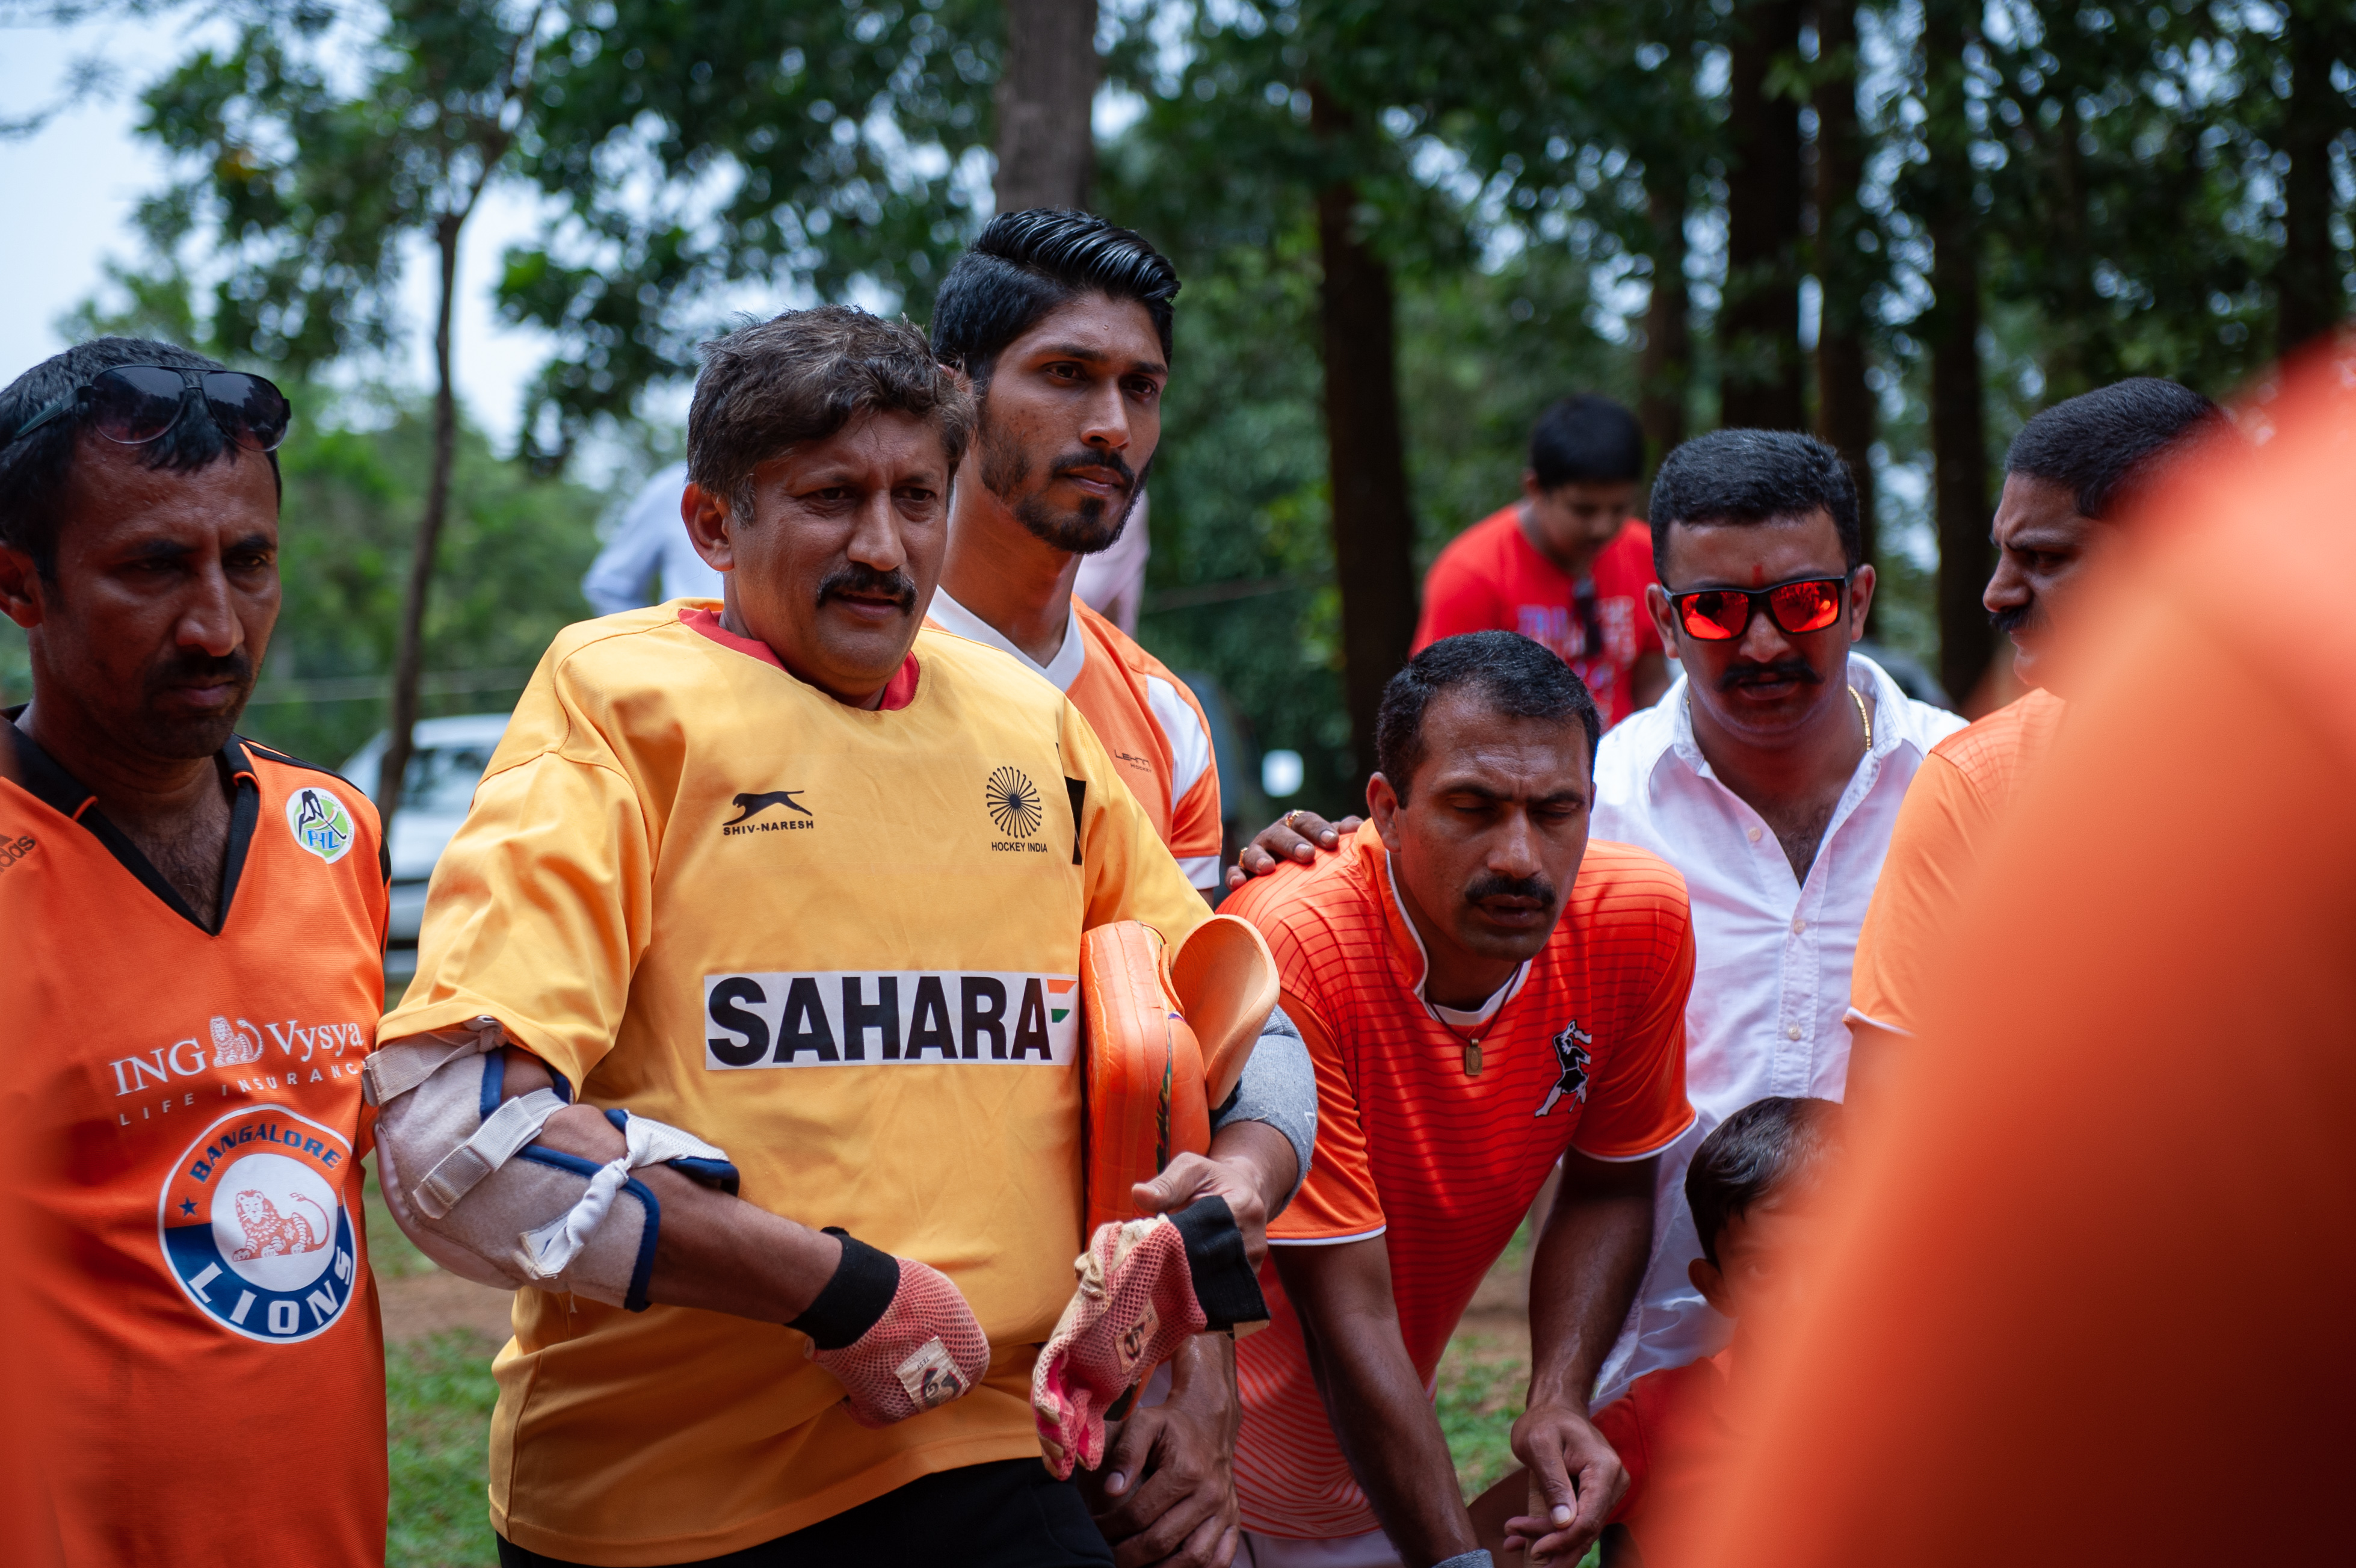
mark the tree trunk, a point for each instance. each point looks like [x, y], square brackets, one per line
[1667, 357]
[2308, 295]
[1759, 326]
[411, 653]
[1959, 433]
[1844, 401]
[1374, 529]
[1047, 149]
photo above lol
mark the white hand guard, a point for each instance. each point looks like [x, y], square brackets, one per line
[466, 1183]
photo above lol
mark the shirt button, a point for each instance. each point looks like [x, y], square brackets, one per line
[1753, 833]
[1798, 925]
[1793, 1032]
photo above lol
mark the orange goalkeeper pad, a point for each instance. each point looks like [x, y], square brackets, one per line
[1167, 1039]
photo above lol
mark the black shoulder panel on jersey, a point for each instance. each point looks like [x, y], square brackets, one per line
[1077, 789]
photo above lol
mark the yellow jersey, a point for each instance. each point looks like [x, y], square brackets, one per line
[843, 945]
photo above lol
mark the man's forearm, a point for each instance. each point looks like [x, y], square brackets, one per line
[1374, 1399]
[1264, 1157]
[1589, 1261]
[715, 1251]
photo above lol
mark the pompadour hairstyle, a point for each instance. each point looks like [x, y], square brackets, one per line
[2102, 446]
[1768, 1147]
[1586, 439]
[1514, 676]
[771, 385]
[1753, 476]
[34, 472]
[1031, 262]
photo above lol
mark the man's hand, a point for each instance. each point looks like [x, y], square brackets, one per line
[1251, 1164]
[1576, 1480]
[1165, 1494]
[1295, 836]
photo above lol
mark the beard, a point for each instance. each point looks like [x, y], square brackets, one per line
[186, 736]
[1088, 528]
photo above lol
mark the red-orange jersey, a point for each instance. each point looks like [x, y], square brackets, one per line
[1587, 1052]
[1671, 1432]
[1945, 827]
[190, 1103]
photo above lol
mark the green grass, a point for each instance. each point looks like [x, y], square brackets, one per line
[438, 1398]
[390, 1256]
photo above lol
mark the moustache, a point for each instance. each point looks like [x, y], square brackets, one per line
[1798, 670]
[195, 667]
[1063, 467]
[867, 582]
[2013, 617]
[1536, 890]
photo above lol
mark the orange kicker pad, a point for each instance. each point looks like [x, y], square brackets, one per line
[1167, 1038]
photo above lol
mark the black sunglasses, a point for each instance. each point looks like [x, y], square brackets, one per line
[134, 404]
[1722, 615]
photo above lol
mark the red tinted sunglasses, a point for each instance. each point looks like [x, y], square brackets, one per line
[1722, 615]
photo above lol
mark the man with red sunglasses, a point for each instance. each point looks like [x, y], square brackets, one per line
[194, 929]
[1770, 776]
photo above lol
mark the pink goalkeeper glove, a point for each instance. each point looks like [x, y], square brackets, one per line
[1145, 1285]
[896, 1334]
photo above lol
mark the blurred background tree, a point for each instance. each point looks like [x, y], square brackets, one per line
[1403, 228]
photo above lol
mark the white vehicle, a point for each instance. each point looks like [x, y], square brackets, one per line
[445, 762]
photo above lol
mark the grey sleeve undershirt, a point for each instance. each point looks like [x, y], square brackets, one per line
[1280, 1088]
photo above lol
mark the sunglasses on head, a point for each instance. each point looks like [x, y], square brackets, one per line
[134, 404]
[1722, 615]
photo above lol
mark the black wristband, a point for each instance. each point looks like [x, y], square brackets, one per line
[855, 1299]
[1225, 1286]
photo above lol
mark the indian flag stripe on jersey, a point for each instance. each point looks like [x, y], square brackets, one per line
[1060, 1000]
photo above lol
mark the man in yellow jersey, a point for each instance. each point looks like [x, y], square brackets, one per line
[2074, 473]
[193, 928]
[791, 876]
[1060, 324]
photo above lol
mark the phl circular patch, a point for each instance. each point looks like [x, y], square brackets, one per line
[319, 822]
[254, 1228]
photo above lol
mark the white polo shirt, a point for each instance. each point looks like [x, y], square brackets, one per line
[1772, 954]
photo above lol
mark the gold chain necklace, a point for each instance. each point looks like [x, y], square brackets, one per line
[1866, 717]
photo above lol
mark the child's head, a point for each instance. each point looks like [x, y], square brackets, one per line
[1753, 1187]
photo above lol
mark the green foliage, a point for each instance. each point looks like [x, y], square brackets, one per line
[506, 579]
[438, 1398]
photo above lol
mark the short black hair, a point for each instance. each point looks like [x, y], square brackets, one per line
[1753, 476]
[1586, 439]
[1031, 262]
[34, 472]
[1768, 1146]
[2100, 445]
[1517, 677]
[771, 385]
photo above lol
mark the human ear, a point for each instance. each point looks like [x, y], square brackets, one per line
[20, 588]
[1709, 1279]
[1383, 806]
[1860, 600]
[1531, 489]
[1657, 605]
[707, 515]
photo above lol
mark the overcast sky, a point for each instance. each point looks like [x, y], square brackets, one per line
[72, 190]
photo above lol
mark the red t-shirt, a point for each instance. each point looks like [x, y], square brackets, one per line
[1492, 578]
[1671, 1432]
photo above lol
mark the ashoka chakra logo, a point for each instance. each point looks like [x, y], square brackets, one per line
[1013, 802]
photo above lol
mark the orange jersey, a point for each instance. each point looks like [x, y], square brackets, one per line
[189, 1101]
[1943, 832]
[1585, 1052]
[2096, 1242]
[1148, 720]
[1671, 1431]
